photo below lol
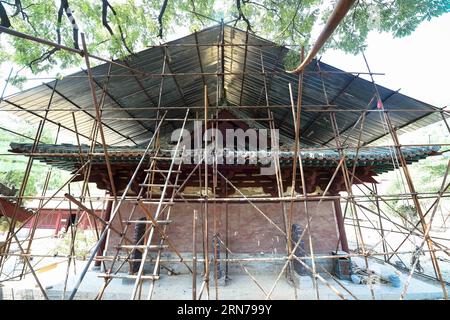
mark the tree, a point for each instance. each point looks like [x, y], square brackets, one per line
[12, 169]
[117, 28]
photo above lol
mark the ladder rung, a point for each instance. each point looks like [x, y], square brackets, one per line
[157, 202]
[128, 276]
[148, 221]
[150, 247]
[157, 185]
[162, 171]
[166, 158]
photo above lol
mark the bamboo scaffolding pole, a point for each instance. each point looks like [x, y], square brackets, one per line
[139, 196]
[348, 185]
[99, 122]
[342, 237]
[138, 283]
[93, 135]
[305, 195]
[383, 237]
[296, 114]
[220, 94]
[59, 46]
[252, 204]
[92, 214]
[384, 243]
[105, 231]
[163, 229]
[289, 258]
[399, 227]
[139, 153]
[426, 238]
[245, 269]
[48, 200]
[205, 197]
[274, 141]
[227, 238]
[71, 248]
[348, 175]
[85, 187]
[163, 234]
[17, 133]
[191, 199]
[230, 260]
[26, 177]
[27, 261]
[280, 188]
[194, 255]
[36, 218]
[187, 199]
[310, 108]
[418, 208]
[6, 84]
[144, 75]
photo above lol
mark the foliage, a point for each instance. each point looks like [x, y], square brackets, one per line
[116, 28]
[408, 212]
[12, 168]
[5, 223]
[427, 175]
[84, 241]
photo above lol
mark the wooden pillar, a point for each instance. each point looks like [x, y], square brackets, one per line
[341, 225]
[58, 223]
[103, 245]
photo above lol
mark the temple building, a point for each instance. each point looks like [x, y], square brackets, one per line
[223, 79]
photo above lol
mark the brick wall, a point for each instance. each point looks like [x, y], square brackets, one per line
[248, 230]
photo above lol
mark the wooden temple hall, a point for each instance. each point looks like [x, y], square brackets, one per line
[218, 161]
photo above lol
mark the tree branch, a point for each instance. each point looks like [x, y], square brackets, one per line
[18, 5]
[196, 14]
[44, 56]
[105, 17]
[64, 7]
[292, 21]
[69, 14]
[105, 6]
[256, 4]
[160, 17]
[59, 22]
[4, 19]
[242, 16]
[20, 10]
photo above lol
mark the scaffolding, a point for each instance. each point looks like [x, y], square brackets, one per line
[364, 206]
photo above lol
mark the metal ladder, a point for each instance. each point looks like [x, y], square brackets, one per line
[146, 188]
[155, 224]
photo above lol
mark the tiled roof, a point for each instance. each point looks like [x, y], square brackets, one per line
[129, 103]
[67, 156]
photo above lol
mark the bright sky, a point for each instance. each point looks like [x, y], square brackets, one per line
[417, 64]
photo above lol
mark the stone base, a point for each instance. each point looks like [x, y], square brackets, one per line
[234, 267]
